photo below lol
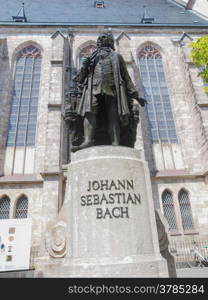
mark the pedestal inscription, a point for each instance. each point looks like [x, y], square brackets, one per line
[111, 198]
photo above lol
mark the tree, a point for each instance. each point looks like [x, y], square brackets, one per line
[199, 56]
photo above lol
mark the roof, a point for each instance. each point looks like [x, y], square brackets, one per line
[115, 11]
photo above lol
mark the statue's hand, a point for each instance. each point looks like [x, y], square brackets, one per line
[135, 106]
[135, 96]
[135, 111]
[142, 101]
[86, 62]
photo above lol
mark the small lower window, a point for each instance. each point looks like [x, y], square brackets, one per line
[4, 207]
[21, 208]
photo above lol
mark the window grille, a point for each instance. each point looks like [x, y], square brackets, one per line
[160, 118]
[185, 208]
[4, 207]
[168, 209]
[21, 208]
[23, 114]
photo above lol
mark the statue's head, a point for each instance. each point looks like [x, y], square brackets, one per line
[105, 40]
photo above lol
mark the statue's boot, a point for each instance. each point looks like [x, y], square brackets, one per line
[89, 131]
[84, 145]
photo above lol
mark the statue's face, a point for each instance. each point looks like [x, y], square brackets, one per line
[105, 40]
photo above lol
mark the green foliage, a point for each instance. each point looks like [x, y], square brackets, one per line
[199, 56]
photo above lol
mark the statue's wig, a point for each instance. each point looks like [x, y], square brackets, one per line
[105, 40]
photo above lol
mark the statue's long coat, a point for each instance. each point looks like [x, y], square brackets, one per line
[123, 83]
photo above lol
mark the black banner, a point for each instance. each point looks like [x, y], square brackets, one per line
[62, 288]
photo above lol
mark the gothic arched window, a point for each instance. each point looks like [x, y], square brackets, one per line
[23, 114]
[185, 209]
[168, 209]
[87, 51]
[21, 208]
[4, 207]
[160, 117]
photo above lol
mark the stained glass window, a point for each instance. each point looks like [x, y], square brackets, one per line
[160, 116]
[23, 114]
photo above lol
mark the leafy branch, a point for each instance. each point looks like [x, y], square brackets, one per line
[199, 56]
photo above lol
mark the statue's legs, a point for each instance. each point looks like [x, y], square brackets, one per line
[90, 122]
[89, 128]
[113, 121]
[89, 131]
[114, 128]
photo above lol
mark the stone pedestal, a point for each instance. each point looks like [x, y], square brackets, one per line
[107, 225]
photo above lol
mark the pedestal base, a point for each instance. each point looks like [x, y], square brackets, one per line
[106, 227]
[129, 267]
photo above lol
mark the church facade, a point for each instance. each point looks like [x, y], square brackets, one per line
[42, 48]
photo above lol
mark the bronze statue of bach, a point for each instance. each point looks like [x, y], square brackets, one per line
[107, 94]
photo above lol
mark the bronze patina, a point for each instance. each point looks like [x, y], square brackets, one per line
[106, 112]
